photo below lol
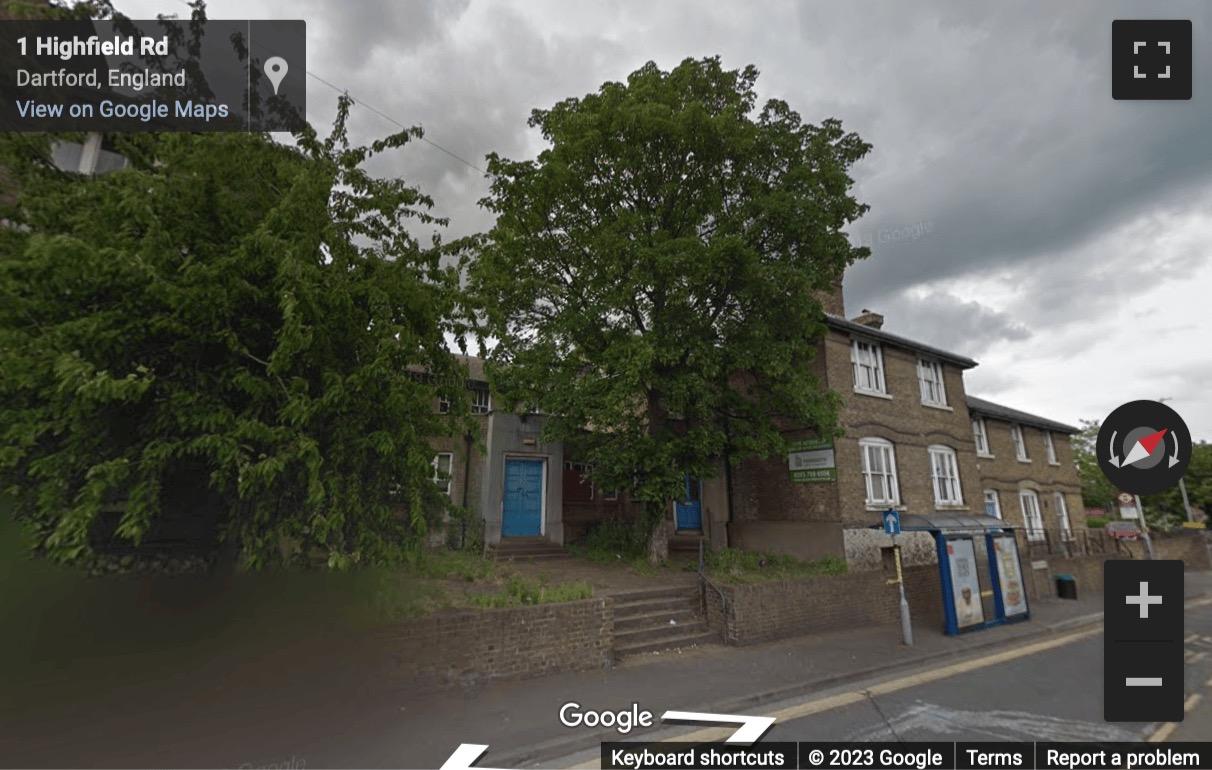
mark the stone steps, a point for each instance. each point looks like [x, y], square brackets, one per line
[528, 549]
[659, 619]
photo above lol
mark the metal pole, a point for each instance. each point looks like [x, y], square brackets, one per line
[1186, 503]
[1144, 528]
[906, 623]
[1182, 487]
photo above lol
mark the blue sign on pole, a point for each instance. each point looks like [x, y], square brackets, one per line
[892, 522]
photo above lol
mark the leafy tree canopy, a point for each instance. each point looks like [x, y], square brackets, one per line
[232, 305]
[651, 276]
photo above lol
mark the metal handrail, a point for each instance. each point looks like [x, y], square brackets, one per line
[703, 577]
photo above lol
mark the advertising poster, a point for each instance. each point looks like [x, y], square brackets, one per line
[811, 461]
[966, 588]
[1014, 595]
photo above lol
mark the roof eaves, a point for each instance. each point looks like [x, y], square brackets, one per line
[850, 327]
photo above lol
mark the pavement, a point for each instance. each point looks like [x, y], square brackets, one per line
[377, 726]
[521, 718]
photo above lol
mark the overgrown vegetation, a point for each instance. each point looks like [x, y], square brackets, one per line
[244, 328]
[653, 273]
[612, 541]
[732, 565]
[1096, 522]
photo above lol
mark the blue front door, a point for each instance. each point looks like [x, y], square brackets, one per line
[688, 513]
[523, 510]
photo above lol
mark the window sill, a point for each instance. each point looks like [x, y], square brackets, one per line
[873, 393]
[1022, 460]
[985, 456]
[884, 507]
[940, 407]
[950, 506]
[1053, 463]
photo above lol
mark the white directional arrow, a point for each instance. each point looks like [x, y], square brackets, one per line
[752, 728]
[1174, 457]
[463, 756]
[1114, 457]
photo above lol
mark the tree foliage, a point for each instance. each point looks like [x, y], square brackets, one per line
[1097, 491]
[233, 305]
[650, 278]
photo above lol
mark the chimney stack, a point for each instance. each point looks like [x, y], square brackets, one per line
[867, 318]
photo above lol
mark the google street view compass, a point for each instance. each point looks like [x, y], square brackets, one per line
[1143, 447]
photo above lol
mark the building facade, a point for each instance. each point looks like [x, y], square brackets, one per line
[911, 438]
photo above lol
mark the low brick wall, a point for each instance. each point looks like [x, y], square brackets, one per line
[768, 611]
[472, 647]
[1191, 547]
[1086, 570]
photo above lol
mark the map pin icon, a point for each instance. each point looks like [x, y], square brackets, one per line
[275, 69]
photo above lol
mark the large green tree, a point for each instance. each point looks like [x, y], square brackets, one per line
[231, 307]
[650, 278]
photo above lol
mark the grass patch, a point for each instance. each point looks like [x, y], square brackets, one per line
[452, 565]
[732, 565]
[519, 591]
[1096, 522]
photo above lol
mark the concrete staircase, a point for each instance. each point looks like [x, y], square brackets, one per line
[659, 619]
[527, 549]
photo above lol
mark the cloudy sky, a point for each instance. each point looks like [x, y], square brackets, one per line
[1019, 215]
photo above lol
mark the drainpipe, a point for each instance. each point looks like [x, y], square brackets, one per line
[467, 438]
[728, 485]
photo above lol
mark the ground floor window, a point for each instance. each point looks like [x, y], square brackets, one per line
[442, 462]
[992, 505]
[945, 472]
[879, 470]
[1033, 522]
[1062, 513]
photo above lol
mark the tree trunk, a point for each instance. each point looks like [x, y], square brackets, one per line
[658, 536]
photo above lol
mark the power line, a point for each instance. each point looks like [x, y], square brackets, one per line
[366, 105]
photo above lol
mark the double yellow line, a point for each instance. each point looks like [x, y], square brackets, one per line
[828, 703]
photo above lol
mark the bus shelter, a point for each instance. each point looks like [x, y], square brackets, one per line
[975, 596]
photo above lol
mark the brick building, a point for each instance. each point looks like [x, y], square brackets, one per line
[1027, 471]
[911, 438]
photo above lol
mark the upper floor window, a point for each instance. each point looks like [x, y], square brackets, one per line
[443, 405]
[930, 377]
[944, 470]
[481, 402]
[868, 367]
[1051, 447]
[441, 470]
[981, 436]
[1020, 446]
[879, 471]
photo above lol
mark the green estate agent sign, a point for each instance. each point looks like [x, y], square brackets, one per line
[811, 461]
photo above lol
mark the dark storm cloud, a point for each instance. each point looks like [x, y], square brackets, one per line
[961, 326]
[1006, 136]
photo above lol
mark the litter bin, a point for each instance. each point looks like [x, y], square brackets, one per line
[1066, 587]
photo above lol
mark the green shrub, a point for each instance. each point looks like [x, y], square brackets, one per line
[614, 540]
[1096, 522]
